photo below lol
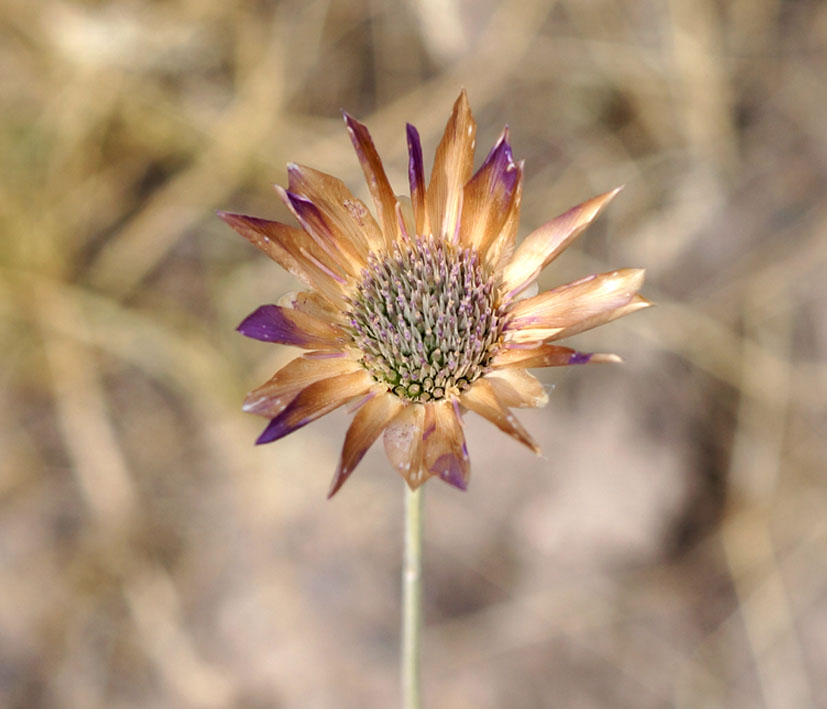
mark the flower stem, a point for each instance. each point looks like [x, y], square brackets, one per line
[412, 600]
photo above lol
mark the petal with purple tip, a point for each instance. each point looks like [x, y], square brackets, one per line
[416, 177]
[445, 451]
[488, 196]
[547, 356]
[314, 402]
[272, 323]
[354, 228]
[330, 257]
[272, 397]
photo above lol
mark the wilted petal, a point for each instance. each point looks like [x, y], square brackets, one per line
[543, 245]
[550, 313]
[314, 402]
[404, 445]
[416, 178]
[271, 323]
[548, 356]
[445, 451]
[352, 223]
[488, 195]
[452, 167]
[378, 184]
[271, 398]
[516, 387]
[482, 400]
[365, 428]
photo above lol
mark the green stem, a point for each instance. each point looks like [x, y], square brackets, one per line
[412, 600]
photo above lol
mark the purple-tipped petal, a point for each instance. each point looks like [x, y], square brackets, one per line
[450, 469]
[273, 397]
[327, 256]
[314, 402]
[445, 452]
[272, 323]
[530, 355]
[498, 170]
[311, 219]
[490, 197]
[354, 228]
[416, 177]
[580, 358]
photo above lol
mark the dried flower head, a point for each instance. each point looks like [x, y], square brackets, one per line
[421, 314]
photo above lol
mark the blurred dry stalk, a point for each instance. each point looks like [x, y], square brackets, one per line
[670, 552]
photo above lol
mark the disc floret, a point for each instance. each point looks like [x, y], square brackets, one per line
[425, 319]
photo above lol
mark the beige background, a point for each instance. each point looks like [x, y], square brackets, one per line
[668, 550]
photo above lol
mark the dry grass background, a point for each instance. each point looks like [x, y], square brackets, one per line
[669, 550]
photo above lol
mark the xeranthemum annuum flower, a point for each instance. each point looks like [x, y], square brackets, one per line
[423, 313]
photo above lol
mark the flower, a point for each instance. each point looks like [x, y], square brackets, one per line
[422, 313]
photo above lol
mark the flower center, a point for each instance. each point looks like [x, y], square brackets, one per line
[425, 320]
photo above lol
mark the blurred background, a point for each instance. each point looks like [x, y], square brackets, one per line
[669, 549]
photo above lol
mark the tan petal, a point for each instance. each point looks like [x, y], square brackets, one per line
[573, 302]
[404, 445]
[348, 216]
[543, 245]
[445, 451]
[271, 398]
[368, 423]
[315, 401]
[380, 188]
[313, 304]
[635, 304]
[405, 216]
[516, 387]
[548, 356]
[452, 167]
[482, 400]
